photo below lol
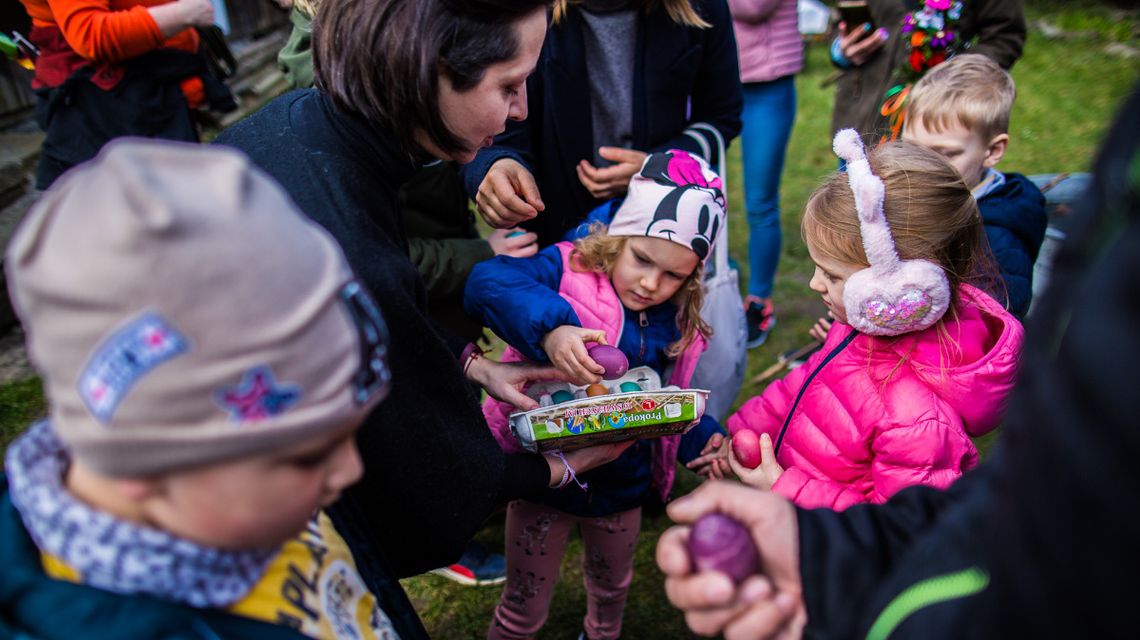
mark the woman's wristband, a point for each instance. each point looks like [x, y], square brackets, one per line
[471, 353]
[568, 474]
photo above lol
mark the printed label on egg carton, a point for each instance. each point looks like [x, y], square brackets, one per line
[586, 421]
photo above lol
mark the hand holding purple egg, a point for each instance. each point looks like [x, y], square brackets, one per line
[720, 543]
[612, 360]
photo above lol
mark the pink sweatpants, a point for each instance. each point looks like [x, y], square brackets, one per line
[536, 541]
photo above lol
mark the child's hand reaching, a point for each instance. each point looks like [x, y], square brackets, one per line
[821, 327]
[763, 476]
[566, 348]
[713, 461]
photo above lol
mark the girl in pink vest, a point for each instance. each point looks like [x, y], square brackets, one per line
[635, 285]
[917, 361]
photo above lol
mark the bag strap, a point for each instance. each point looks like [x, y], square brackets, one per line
[720, 251]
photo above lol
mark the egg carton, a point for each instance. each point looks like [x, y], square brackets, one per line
[569, 418]
[644, 378]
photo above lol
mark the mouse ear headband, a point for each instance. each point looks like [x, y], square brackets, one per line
[892, 296]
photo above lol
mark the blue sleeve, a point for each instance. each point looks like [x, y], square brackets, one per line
[1016, 267]
[693, 441]
[603, 213]
[518, 299]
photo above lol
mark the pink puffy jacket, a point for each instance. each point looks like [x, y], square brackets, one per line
[866, 416]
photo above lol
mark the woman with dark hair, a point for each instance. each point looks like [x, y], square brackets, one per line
[399, 83]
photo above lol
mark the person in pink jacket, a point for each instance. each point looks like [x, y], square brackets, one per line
[918, 360]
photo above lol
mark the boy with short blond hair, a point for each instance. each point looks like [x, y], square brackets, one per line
[961, 109]
[208, 356]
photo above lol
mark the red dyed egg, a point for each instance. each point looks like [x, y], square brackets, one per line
[746, 448]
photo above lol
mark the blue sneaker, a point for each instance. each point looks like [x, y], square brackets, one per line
[476, 567]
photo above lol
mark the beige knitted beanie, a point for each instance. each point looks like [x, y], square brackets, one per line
[183, 312]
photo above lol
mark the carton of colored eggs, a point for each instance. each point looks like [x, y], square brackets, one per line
[633, 405]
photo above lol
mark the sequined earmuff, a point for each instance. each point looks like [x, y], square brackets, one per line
[892, 296]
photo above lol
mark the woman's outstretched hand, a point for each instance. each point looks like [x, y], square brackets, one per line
[764, 606]
[504, 381]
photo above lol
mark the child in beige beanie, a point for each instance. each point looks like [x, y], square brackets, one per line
[207, 356]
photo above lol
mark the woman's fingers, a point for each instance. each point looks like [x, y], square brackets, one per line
[508, 195]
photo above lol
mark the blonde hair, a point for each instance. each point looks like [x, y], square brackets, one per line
[969, 88]
[681, 11]
[599, 252]
[931, 213]
[307, 7]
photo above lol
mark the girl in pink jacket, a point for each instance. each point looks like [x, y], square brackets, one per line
[917, 361]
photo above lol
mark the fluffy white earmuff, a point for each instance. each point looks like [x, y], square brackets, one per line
[892, 296]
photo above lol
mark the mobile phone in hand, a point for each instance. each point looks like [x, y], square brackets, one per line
[855, 13]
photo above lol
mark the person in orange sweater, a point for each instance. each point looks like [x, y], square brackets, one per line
[112, 68]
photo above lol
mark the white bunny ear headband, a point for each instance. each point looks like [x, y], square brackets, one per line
[893, 296]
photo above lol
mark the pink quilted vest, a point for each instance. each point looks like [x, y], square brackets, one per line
[593, 298]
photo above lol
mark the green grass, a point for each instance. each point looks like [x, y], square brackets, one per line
[1068, 91]
[21, 403]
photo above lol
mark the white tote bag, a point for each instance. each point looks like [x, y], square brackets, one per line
[721, 368]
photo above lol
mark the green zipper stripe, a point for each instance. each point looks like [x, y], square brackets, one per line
[931, 591]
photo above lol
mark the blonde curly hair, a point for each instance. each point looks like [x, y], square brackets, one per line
[599, 252]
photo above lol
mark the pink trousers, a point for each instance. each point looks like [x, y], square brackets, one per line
[535, 543]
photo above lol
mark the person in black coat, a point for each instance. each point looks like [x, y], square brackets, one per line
[1039, 541]
[433, 471]
[617, 79]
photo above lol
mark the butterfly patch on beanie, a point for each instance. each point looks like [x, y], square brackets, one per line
[125, 357]
[258, 396]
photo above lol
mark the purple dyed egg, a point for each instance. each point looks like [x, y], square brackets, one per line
[720, 543]
[612, 360]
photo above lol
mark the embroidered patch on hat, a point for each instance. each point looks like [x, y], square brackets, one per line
[123, 358]
[258, 396]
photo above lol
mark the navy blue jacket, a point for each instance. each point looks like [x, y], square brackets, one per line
[1015, 221]
[682, 75]
[518, 299]
[34, 605]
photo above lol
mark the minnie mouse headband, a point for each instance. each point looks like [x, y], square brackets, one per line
[893, 296]
[676, 197]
